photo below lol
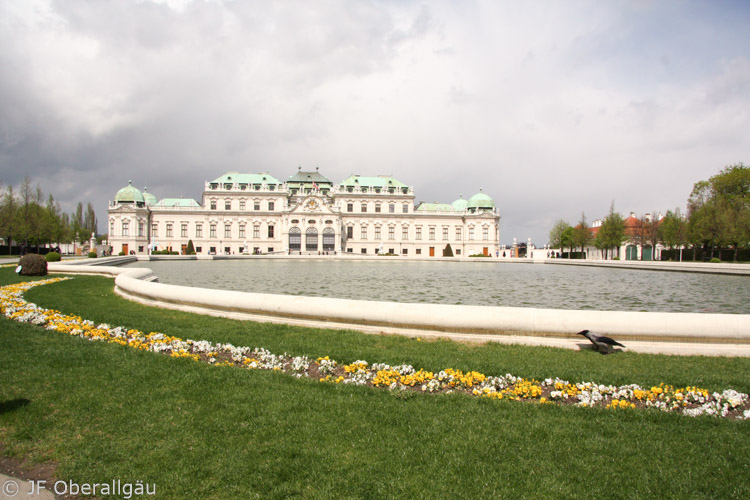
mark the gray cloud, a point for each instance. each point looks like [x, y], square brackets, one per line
[551, 109]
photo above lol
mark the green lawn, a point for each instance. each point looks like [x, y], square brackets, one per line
[103, 411]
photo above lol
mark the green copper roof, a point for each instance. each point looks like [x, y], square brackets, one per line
[481, 200]
[129, 194]
[309, 177]
[434, 207]
[460, 204]
[238, 178]
[177, 203]
[381, 181]
[149, 198]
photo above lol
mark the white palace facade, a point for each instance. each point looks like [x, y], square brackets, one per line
[307, 214]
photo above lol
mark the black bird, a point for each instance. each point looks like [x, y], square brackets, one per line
[603, 344]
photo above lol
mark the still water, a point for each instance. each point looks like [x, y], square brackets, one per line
[489, 284]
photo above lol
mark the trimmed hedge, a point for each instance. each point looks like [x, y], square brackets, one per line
[33, 265]
[704, 255]
[52, 257]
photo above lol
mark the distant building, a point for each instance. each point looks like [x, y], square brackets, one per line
[306, 214]
[635, 246]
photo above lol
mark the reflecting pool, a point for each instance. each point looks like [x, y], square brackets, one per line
[480, 283]
[491, 284]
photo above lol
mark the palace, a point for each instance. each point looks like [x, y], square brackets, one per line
[307, 214]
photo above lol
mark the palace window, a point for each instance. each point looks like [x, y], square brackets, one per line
[199, 230]
[418, 251]
[404, 232]
[256, 205]
[125, 228]
[227, 204]
[213, 204]
[363, 232]
[256, 231]
[140, 228]
[154, 229]
[212, 231]
[227, 230]
[270, 206]
[485, 233]
[392, 208]
[377, 208]
[183, 230]
[169, 230]
[270, 231]
[242, 204]
[112, 228]
[377, 232]
[242, 231]
[445, 233]
[364, 207]
[349, 232]
[391, 233]
[405, 208]
[458, 233]
[432, 233]
[350, 207]
[419, 232]
[471, 234]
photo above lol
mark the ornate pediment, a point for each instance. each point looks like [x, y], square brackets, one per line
[313, 205]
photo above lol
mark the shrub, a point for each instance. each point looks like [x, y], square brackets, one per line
[52, 257]
[92, 255]
[615, 258]
[715, 261]
[121, 254]
[190, 250]
[448, 251]
[33, 265]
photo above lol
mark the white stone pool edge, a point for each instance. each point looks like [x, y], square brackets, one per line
[646, 332]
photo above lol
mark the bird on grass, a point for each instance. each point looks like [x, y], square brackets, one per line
[602, 344]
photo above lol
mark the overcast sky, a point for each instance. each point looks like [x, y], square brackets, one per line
[552, 108]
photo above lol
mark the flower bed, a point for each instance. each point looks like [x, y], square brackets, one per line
[691, 401]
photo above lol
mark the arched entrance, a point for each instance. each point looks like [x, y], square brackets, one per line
[329, 239]
[295, 239]
[311, 239]
[647, 253]
[631, 252]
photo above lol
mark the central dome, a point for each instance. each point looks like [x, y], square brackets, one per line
[129, 194]
[481, 201]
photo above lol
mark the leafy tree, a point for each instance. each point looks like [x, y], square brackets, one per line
[8, 221]
[719, 210]
[52, 223]
[567, 239]
[730, 190]
[582, 236]
[650, 227]
[557, 233]
[611, 234]
[89, 220]
[673, 230]
[190, 249]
